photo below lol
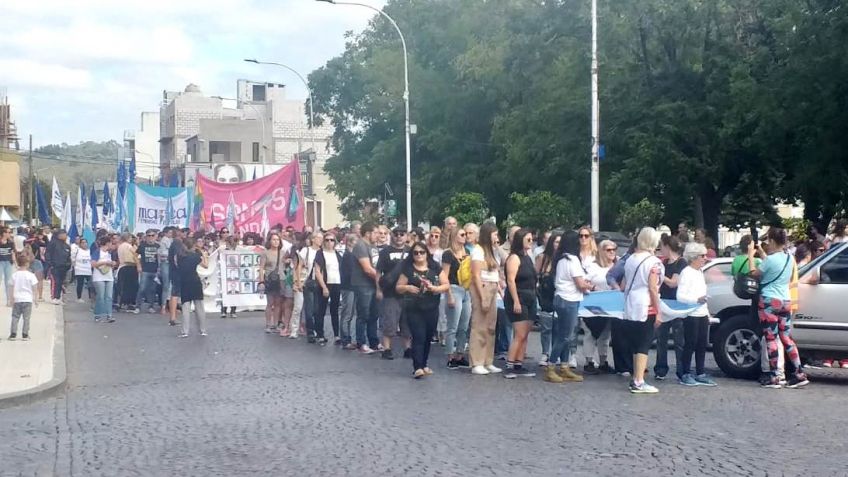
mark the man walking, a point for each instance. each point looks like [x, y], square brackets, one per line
[391, 305]
[148, 267]
[363, 281]
[58, 257]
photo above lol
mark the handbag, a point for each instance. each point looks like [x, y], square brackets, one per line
[273, 282]
[745, 286]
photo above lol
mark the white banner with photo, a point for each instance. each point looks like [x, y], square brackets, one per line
[155, 211]
[239, 278]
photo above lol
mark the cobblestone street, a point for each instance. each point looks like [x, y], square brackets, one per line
[139, 401]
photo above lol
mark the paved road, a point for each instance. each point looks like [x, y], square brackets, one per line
[142, 402]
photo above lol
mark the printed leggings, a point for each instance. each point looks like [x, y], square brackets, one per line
[774, 317]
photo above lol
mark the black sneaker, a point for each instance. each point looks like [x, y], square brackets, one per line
[322, 341]
[509, 373]
[223, 315]
[387, 354]
[605, 368]
[795, 381]
[172, 323]
[770, 382]
[463, 362]
[453, 364]
[522, 372]
[311, 340]
[26, 338]
[12, 337]
[589, 368]
[407, 353]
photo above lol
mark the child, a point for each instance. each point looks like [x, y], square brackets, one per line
[23, 282]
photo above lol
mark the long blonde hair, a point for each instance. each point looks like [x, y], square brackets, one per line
[593, 246]
[451, 241]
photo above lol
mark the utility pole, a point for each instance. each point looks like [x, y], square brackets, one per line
[596, 124]
[31, 185]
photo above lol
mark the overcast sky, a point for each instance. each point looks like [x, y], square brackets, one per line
[85, 70]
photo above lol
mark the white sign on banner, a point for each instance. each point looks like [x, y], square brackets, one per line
[239, 272]
[151, 211]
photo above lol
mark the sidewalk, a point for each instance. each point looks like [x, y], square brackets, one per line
[32, 369]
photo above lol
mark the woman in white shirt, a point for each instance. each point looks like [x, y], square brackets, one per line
[485, 281]
[329, 278]
[103, 278]
[82, 268]
[692, 288]
[643, 273]
[596, 329]
[570, 283]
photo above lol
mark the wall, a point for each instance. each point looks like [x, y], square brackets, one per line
[10, 185]
[147, 145]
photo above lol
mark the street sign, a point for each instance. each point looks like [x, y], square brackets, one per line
[391, 208]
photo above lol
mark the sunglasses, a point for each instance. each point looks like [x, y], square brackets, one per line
[419, 252]
[462, 234]
[329, 240]
[609, 250]
[151, 235]
[585, 235]
[224, 232]
[435, 235]
[398, 234]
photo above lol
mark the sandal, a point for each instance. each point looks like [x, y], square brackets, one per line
[418, 374]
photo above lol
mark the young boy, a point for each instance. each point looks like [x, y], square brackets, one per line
[23, 282]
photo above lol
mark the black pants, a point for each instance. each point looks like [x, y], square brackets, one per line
[696, 332]
[622, 356]
[422, 325]
[224, 310]
[82, 280]
[128, 285]
[57, 274]
[675, 328]
[321, 308]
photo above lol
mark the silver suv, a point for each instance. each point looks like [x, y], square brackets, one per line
[820, 327]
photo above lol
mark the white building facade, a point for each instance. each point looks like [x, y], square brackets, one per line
[255, 133]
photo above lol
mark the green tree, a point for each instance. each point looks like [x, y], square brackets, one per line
[467, 207]
[641, 214]
[541, 211]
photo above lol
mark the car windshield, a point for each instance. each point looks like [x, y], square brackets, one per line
[718, 273]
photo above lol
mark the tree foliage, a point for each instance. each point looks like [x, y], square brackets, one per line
[541, 210]
[467, 207]
[641, 214]
[711, 109]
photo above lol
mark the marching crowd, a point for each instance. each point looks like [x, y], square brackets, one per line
[457, 286]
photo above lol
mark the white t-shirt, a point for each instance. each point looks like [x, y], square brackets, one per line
[691, 286]
[99, 276]
[20, 240]
[331, 263]
[307, 255]
[598, 276]
[82, 262]
[568, 268]
[637, 271]
[23, 281]
[477, 255]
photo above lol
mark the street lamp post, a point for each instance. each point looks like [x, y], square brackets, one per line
[311, 127]
[596, 124]
[409, 223]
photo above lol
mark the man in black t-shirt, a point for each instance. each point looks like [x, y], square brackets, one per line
[148, 266]
[391, 306]
[671, 249]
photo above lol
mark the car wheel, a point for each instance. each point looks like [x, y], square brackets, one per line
[736, 348]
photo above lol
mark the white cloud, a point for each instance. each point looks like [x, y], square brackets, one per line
[86, 69]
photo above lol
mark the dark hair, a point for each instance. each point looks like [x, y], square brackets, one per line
[485, 242]
[517, 245]
[270, 236]
[367, 227]
[744, 242]
[188, 245]
[777, 235]
[672, 243]
[410, 259]
[801, 252]
[548, 254]
[103, 240]
[569, 244]
[839, 228]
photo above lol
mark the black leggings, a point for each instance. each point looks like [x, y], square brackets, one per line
[82, 280]
[422, 325]
[321, 309]
[638, 335]
[622, 358]
[696, 332]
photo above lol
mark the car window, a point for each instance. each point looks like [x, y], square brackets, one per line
[718, 273]
[835, 270]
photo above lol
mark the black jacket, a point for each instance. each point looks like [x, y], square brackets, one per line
[58, 253]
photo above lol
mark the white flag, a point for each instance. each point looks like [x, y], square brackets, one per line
[67, 213]
[265, 225]
[56, 201]
[81, 209]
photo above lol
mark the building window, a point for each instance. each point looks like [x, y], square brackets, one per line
[255, 152]
[310, 213]
[259, 92]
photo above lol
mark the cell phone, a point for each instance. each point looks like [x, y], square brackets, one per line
[755, 235]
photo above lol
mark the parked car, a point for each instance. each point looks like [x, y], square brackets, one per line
[820, 327]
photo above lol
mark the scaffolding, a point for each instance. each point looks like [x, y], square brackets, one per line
[8, 131]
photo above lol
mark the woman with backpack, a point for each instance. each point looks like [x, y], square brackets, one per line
[456, 262]
[328, 276]
[520, 301]
[545, 272]
[775, 273]
[421, 282]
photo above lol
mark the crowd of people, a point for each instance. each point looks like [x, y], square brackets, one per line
[457, 286]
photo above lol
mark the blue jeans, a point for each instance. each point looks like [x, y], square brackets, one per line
[165, 278]
[503, 333]
[346, 310]
[146, 289]
[103, 300]
[456, 334]
[6, 270]
[676, 329]
[366, 316]
[562, 333]
[309, 306]
[545, 323]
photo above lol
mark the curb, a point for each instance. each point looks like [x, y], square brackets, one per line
[55, 385]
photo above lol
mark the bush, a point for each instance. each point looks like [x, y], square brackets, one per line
[467, 207]
[541, 211]
[641, 214]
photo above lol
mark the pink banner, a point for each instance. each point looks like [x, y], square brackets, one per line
[280, 194]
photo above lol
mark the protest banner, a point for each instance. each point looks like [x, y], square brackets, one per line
[154, 207]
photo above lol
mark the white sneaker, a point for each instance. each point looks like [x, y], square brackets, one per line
[543, 361]
[481, 370]
[80, 300]
[365, 349]
[493, 369]
[572, 361]
[293, 336]
[56, 301]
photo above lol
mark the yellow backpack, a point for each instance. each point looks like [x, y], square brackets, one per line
[463, 275]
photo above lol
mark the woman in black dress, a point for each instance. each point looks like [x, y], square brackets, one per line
[520, 301]
[421, 282]
[192, 287]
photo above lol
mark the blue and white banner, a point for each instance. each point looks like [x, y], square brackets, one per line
[611, 303]
[154, 207]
